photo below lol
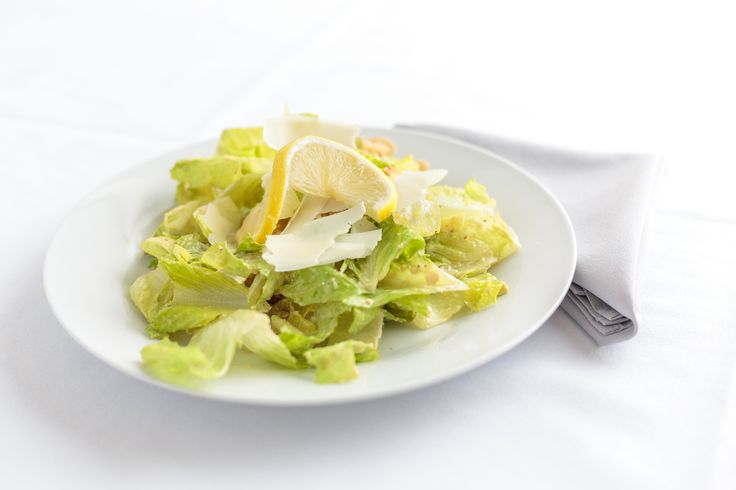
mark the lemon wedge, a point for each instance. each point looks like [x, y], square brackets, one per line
[319, 167]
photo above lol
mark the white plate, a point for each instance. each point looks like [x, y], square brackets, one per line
[95, 255]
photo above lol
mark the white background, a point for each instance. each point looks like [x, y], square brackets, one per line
[88, 89]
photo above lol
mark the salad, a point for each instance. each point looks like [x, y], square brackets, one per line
[300, 241]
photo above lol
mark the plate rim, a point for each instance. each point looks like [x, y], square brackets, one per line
[355, 397]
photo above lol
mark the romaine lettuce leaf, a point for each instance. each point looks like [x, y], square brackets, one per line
[422, 217]
[244, 142]
[320, 284]
[194, 244]
[192, 297]
[296, 339]
[180, 220]
[477, 192]
[397, 241]
[221, 258]
[218, 220]
[262, 288]
[420, 273]
[263, 279]
[453, 200]
[336, 363]
[195, 285]
[483, 291]
[369, 333]
[211, 350]
[171, 318]
[470, 242]
[165, 248]
[436, 308]
[185, 194]
[219, 171]
[245, 192]
[428, 310]
[146, 289]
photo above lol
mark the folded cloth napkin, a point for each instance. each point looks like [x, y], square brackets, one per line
[607, 197]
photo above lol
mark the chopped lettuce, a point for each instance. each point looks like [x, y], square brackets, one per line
[483, 290]
[420, 273]
[397, 242]
[211, 350]
[221, 258]
[219, 220]
[194, 244]
[433, 309]
[370, 330]
[320, 284]
[244, 142]
[472, 236]
[422, 217]
[173, 317]
[471, 242]
[428, 310]
[296, 339]
[185, 194]
[245, 192]
[180, 220]
[336, 363]
[219, 171]
[164, 248]
[191, 296]
[319, 291]
[198, 286]
[146, 289]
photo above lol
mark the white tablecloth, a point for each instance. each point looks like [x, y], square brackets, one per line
[89, 89]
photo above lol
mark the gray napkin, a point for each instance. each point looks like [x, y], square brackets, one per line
[608, 197]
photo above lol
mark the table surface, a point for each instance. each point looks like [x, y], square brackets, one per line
[87, 90]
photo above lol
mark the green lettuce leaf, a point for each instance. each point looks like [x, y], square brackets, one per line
[195, 285]
[369, 333]
[472, 236]
[422, 217]
[296, 339]
[171, 318]
[420, 274]
[193, 297]
[193, 244]
[219, 171]
[264, 281]
[336, 363]
[165, 248]
[185, 194]
[477, 192]
[483, 290]
[146, 289]
[262, 288]
[180, 220]
[244, 142]
[397, 241]
[433, 309]
[260, 339]
[453, 200]
[320, 284]
[221, 258]
[219, 220]
[471, 242]
[245, 192]
[178, 364]
[428, 310]
[211, 350]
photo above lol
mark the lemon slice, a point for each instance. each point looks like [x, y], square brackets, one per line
[323, 168]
